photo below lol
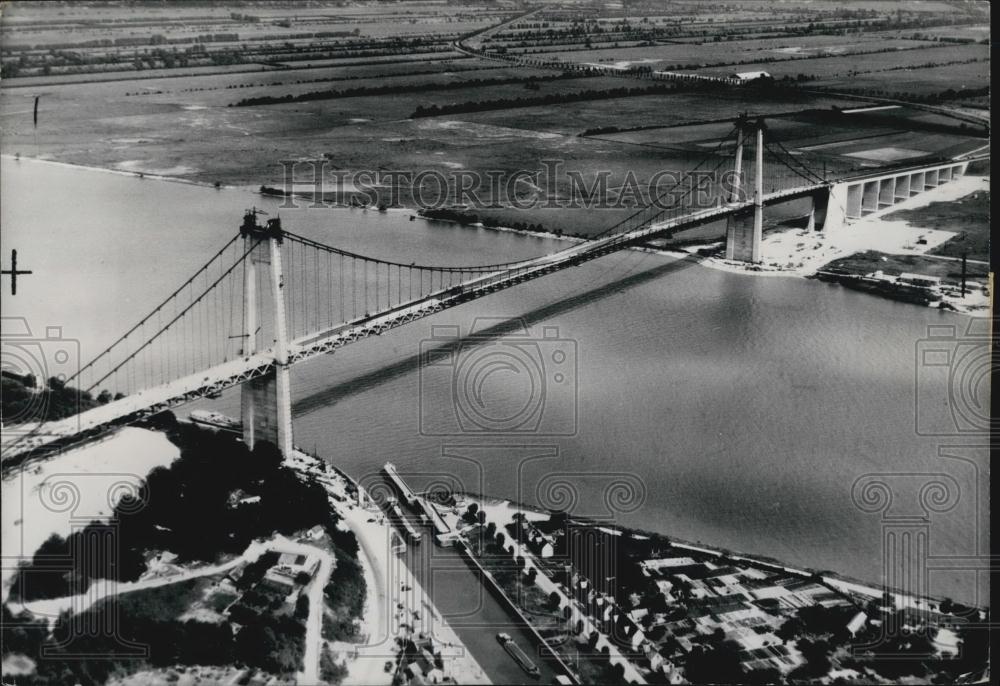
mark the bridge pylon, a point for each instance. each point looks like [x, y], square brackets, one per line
[742, 241]
[266, 403]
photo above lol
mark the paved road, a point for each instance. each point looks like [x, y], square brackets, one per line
[314, 623]
[105, 588]
[954, 259]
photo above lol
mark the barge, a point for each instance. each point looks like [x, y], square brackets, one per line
[519, 655]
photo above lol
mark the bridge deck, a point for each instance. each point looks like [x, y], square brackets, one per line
[218, 378]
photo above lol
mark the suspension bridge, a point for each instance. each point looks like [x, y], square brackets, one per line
[270, 298]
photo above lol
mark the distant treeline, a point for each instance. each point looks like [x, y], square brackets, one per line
[556, 98]
[769, 59]
[468, 218]
[646, 70]
[859, 72]
[27, 399]
[863, 20]
[71, 62]
[332, 79]
[921, 98]
[392, 89]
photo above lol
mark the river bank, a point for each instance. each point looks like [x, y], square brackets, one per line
[787, 253]
[803, 253]
[502, 509]
[45, 498]
[666, 596]
[397, 607]
[640, 323]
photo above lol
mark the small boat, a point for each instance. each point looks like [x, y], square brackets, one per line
[216, 420]
[519, 655]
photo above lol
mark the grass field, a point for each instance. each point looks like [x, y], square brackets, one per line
[163, 603]
[827, 67]
[894, 265]
[923, 81]
[154, 121]
[970, 216]
[738, 51]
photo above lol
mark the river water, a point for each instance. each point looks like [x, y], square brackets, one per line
[735, 410]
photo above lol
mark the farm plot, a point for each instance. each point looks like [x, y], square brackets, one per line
[651, 111]
[737, 51]
[897, 61]
[927, 81]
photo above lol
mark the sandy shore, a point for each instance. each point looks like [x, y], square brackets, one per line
[120, 172]
[801, 253]
[804, 252]
[81, 485]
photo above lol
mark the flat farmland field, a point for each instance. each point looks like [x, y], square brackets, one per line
[919, 81]
[650, 111]
[118, 75]
[222, 96]
[976, 33]
[220, 90]
[378, 59]
[826, 67]
[183, 122]
[138, 95]
[737, 51]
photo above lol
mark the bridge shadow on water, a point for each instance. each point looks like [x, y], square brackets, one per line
[359, 384]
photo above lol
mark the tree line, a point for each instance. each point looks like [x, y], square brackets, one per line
[392, 89]
[553, 99]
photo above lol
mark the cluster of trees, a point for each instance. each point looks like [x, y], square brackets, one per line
[199, 55]
[587, 35]
[345, 594]
[945, 95]
[467, 218]
[949, 39]
[331, 671]
[599, 131]
[188, 512]
[111, 653]
[274, 644]
[356, 77]
[551, 99]
[23, 401]
[393, 89]
[827, 55]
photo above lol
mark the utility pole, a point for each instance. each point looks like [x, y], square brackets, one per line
[965, 255]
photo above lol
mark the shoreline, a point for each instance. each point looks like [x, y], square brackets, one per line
[548, 235]
[835, 240]
[827, 576]
[386, 602]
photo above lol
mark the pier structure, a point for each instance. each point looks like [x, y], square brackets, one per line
[854, 198]
[405, 491]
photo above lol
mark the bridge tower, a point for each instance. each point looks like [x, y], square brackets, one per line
[743, 241]
[266, 402]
